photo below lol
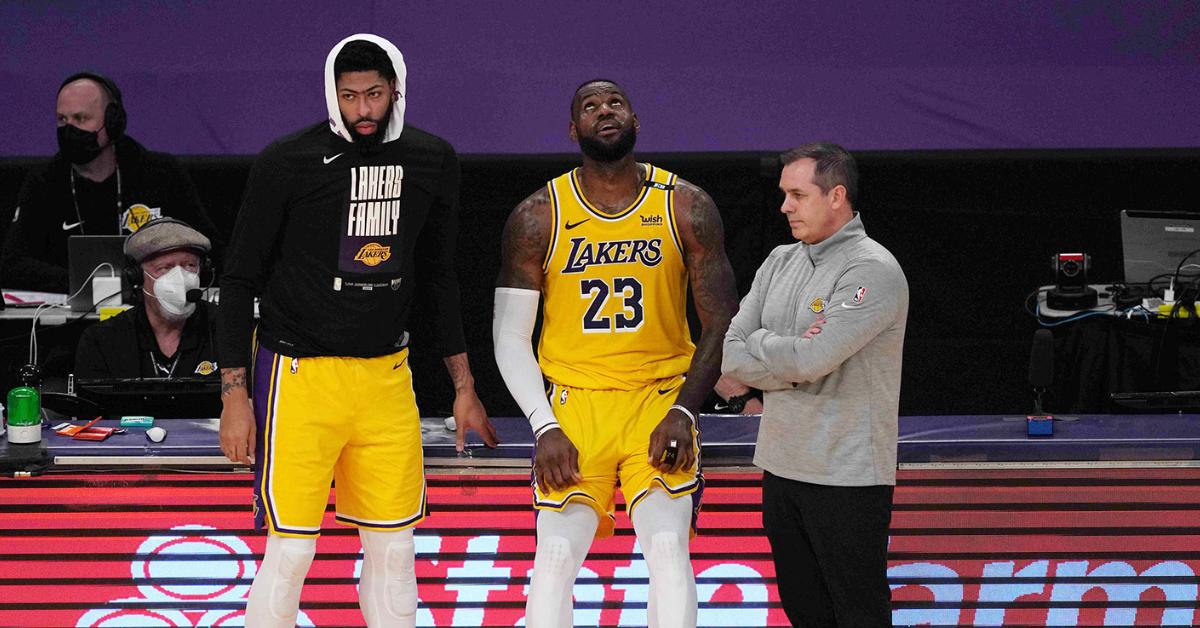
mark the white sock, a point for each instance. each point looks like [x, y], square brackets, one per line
[387, 590]
[663, 525]
[275, 595]
[563, 542]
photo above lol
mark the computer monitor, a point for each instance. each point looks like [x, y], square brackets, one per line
[1155, 242]
[84, 254]
[161, 398]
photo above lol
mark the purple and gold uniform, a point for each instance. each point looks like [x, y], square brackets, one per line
[336, 239]
[371, 436]
[615, 342]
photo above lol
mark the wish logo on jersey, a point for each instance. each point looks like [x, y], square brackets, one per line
[584, 254]
[371, 222]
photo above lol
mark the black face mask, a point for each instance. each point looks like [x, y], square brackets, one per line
[78, 146]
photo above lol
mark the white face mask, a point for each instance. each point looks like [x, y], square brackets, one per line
[171, 290]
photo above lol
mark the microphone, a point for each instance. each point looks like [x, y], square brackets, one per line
[1041, 377]
[1041, 360]
[196, 295]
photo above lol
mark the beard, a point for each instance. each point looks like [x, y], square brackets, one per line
[373, 140]
[599, 151]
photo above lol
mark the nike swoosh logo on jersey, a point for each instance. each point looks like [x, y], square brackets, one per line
[663, 392]
[329, 160]
[572, 225]
[71, 226]
[850, 307]
[400, 364]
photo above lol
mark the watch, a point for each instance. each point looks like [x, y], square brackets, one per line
[735, 404]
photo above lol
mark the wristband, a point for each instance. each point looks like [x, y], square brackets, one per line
[687, 412]
[537, 434]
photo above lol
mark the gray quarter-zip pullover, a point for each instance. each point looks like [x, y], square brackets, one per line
[831, 401]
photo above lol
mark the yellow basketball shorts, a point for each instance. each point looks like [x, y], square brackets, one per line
[352, 422]
[611, 429]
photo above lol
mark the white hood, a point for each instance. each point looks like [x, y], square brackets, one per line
[396, 123]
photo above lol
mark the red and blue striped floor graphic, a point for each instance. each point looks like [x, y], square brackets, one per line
[1071, 547]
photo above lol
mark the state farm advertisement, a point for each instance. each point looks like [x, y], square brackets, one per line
[975, 549]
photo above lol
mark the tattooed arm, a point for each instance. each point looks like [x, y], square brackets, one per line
[469, 413]
[525, 241]
[715, 297]
[527, 237]
[237, 417]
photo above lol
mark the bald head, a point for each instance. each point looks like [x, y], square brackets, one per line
[81, 103]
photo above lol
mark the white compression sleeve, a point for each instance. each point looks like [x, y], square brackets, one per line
[663, 525]
[275, 595]
[387, 590]
[563, 540]
[512, 337]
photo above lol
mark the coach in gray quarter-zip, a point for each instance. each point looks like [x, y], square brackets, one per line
[822, 333]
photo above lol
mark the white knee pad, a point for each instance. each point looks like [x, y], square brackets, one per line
[563, 542]
[668, 562]
[555, 560]
[387, 590]
[275, 595]
[663, 526]
[555, 566]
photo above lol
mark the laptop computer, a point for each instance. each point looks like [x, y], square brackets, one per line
[1155, 242]
[1178, 400]
[84, 254]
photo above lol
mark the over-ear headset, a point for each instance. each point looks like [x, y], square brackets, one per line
[133, 277]
[114, 114]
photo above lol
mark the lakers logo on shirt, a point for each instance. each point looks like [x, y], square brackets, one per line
[370, 242]
[584, 254]
[137, 215]
[206, 368]
[373, 254]
[817, 305]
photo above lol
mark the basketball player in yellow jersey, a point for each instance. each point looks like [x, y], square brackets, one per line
[610, 249]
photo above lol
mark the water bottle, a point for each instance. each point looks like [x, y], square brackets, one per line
[24, 415]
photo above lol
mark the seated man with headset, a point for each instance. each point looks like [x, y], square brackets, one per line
[168, 332]
[100, 182]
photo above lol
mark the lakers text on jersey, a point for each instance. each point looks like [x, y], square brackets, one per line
[615, 289]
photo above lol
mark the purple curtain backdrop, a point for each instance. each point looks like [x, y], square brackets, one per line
[496, 77]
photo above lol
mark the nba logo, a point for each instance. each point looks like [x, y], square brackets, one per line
[859, 295]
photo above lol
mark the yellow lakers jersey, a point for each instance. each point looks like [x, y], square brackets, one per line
[615, 291]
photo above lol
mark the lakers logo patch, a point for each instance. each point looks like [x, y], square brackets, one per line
[817, 305]
[138, 215]
[206, 368]
[373, 254]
